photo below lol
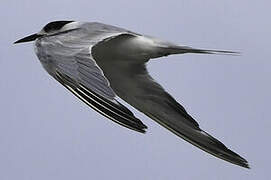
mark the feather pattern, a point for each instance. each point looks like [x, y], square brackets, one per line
[98, 62]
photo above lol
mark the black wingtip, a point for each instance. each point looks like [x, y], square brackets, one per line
[247, 166]
[101, 105]
[142, 128]
[222, 152]
[237, 159]
[143, 131]
[244, 164]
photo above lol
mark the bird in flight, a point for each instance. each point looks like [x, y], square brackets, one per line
[98, 62]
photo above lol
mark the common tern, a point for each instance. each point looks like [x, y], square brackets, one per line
[99, 62]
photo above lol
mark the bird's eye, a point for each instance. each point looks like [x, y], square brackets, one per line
[55, 25]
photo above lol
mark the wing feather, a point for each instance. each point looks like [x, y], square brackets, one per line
[113, 110]
[131, 81]
[70, 62]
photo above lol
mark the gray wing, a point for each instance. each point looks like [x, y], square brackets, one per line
[73, 66]
[134, 85]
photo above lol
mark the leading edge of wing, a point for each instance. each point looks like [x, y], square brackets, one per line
[114, 111]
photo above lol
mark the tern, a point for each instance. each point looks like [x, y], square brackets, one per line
[99, 62]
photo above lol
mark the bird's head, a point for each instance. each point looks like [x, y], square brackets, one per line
[52, 28]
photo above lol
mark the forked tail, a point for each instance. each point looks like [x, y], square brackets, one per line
[187, 49]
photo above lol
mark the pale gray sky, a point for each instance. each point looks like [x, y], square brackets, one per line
[47, 133]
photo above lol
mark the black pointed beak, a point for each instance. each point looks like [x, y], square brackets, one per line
[28, 38]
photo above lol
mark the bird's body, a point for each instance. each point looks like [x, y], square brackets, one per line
[99, 62]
